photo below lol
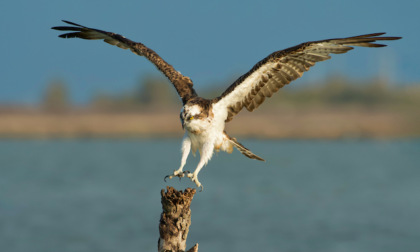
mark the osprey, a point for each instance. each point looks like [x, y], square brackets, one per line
[204, 119]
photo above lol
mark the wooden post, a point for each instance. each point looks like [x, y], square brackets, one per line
[175, 220]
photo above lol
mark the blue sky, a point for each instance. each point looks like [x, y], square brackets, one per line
[209, 41]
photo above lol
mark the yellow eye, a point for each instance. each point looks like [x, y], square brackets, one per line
[192, 117]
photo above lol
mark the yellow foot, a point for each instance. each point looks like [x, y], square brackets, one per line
[194, 179]
[177, 173]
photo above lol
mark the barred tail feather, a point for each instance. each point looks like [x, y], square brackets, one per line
[243, 149]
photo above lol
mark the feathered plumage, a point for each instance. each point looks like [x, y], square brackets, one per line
[282, 67]
[204, 120]
[182, 84]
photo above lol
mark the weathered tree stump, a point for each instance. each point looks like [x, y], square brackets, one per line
[175, 220]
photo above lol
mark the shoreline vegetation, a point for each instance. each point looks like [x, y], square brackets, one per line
[337, 109]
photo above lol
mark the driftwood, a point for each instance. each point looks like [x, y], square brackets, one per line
[175, 220]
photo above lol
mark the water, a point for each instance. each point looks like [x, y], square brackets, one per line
[104, 195]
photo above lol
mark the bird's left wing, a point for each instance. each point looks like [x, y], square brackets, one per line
[182, 84]
[282, 67]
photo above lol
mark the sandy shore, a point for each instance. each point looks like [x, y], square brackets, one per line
[279, 123]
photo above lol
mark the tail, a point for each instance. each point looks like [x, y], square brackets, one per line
[243, 149]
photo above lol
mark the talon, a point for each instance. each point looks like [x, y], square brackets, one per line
[167, 176]
[194, 179]
[175, 174]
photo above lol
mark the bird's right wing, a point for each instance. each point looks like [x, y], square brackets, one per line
[182, 84]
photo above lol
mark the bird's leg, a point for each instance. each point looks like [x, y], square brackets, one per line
[206, 154]
[186, 147]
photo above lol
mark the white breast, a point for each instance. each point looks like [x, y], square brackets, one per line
[205, 131]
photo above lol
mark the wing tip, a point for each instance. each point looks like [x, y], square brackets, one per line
[66, 35]
[65, 28]
[71, 23]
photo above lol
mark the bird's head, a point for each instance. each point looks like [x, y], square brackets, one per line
[194, 118]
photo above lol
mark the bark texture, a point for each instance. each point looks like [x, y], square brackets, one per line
[175, 220]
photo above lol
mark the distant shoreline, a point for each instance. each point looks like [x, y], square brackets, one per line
[285, 123]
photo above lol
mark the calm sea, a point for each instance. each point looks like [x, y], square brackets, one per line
[104, 195]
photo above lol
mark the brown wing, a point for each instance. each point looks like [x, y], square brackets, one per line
[282, 67]
[182, 84]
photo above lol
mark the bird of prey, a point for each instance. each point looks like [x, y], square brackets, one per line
[204, 119]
